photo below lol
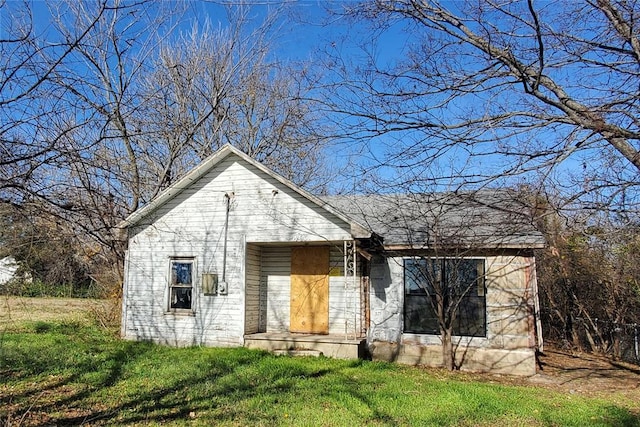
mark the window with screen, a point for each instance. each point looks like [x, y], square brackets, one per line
[453, 281]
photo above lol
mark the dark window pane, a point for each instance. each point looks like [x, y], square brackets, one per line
[462, 280]
[462, 276]
[180, 297]
[421, 275]
[419, 315]
[181, 273]
[471, 318]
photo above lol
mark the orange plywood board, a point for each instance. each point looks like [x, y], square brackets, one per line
[310, 290]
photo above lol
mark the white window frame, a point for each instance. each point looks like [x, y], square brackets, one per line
[171, 285]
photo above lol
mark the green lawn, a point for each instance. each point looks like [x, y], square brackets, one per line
[71, 373]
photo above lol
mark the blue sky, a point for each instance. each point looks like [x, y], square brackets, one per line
[301, 38]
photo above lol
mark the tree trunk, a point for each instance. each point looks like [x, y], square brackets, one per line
[448, 355]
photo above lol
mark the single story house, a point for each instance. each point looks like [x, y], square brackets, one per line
[233, 254]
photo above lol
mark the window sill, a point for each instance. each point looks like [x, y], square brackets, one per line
[180, 313]
[428, 339]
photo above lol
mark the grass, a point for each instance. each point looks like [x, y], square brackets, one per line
[72, 373]
[17, 310]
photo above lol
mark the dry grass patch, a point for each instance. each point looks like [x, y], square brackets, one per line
[15, 311]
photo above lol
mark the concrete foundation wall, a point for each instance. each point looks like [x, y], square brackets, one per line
[520, 362]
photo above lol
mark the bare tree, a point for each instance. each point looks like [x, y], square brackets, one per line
[508, 93]
[502, 89]
[452, 247]
[108, 123]
[27, 97]
[444, 284]
[590, 281]
[39, 125]
[213, 87]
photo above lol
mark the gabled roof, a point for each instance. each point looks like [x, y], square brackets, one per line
[358, 231]
[489, 219]
[483, 219]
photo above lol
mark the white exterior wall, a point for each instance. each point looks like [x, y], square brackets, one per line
[252, 289]
[509, 346]
[345, 305]
[276, 283]
[192, 225]
[8, 269]
[344, 301]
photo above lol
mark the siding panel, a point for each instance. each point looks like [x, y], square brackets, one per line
[193, 224]
[276, 280]
[252, 289]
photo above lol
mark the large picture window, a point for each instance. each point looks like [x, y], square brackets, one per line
[181, 284]
[453, 281]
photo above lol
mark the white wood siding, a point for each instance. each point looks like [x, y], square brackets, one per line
[344, 301]
[344, 297]
[252, 287]
[216, 319]
[262, 210]
[257, 211]
[276, 280]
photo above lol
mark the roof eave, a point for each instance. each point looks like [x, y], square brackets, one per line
[413, 247]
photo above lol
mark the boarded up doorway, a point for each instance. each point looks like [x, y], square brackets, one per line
[310, 290]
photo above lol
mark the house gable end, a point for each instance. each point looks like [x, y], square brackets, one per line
[261, 208]
[206, 168]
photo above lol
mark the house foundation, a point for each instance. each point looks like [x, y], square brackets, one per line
[520, 362]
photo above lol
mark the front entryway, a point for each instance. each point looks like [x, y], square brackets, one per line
[337, 346]
[309, 310]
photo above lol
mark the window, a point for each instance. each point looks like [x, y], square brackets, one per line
[181, 284]
[456, 281]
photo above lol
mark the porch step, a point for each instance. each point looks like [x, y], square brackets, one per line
[336, 346]
[310, 353]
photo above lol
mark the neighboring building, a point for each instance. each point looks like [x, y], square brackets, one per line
[233, 254]
[8, 268]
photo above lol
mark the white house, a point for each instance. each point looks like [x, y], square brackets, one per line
[8, 268]
[233, 254]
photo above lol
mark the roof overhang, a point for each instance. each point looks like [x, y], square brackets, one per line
[414, 247]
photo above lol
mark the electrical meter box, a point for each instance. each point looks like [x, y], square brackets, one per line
[222, 288]
[209, 283]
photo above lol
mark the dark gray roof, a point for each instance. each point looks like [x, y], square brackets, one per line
[482, 219]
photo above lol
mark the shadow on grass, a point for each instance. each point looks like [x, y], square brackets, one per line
[67, 376]
[218, 388]
[75, 375]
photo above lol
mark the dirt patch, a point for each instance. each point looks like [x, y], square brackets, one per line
[572, 374]
[581, 374]
[586, 373]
